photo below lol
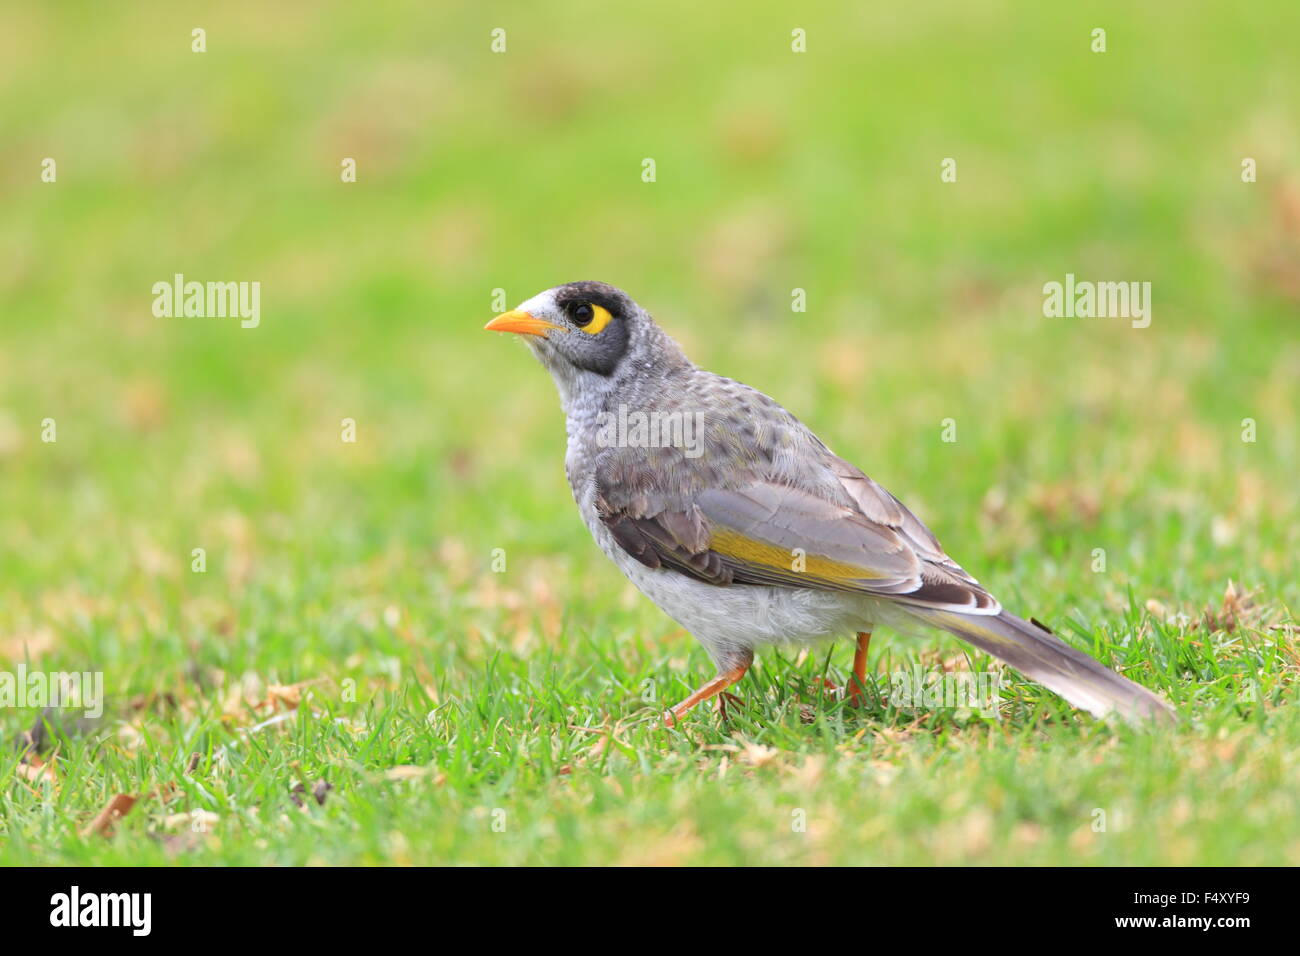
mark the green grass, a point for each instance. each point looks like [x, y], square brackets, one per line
[463, 715]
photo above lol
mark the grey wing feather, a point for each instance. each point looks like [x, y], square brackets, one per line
[944, 581]
[884, 549]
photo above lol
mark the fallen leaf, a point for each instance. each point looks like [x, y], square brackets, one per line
[288, 696]
[28, 644]
[36, 773]
[756, 755]
[1236, 608]
[408, 771]
[197, 821]
[319, 791]
[103, 823]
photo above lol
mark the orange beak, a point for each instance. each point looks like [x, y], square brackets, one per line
[523, 323]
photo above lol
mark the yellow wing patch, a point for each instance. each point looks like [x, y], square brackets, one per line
[732, 544]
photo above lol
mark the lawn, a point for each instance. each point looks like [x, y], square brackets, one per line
[405, 649]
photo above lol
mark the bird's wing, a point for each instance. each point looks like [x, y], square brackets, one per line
[846, 534]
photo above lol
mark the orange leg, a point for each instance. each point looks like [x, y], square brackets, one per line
[859, 682]
[714, 688]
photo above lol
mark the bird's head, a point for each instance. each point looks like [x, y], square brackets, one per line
[588, 335]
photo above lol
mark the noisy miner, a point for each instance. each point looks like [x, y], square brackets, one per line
[732, 516]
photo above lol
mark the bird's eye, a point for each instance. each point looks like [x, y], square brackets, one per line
[591, 319]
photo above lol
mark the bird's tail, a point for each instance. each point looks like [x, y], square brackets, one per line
[1041, 656]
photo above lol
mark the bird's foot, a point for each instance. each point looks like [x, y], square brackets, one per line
[725, 698]
[714, 688]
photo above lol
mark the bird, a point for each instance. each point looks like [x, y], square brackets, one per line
[733, 517]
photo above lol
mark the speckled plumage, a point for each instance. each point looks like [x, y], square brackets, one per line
[754, 532]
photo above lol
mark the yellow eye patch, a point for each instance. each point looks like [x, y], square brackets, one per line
[599, 319]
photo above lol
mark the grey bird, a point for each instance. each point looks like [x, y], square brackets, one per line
[743, 527]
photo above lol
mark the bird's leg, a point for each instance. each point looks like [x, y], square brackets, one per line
[858, 685]
[713, 688]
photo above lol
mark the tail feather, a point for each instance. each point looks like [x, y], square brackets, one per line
[1043, 657]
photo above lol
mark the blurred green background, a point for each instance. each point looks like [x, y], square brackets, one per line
[521, 170]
